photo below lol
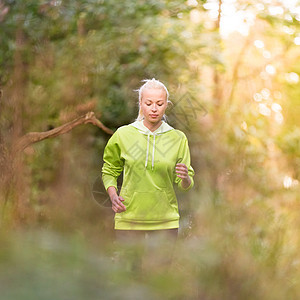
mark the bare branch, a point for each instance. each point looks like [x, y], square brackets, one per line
[33, 137]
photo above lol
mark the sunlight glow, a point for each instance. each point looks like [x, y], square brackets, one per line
[288, 30]
[270, 70]
[231, 18]
[192, 2]
[244, 126]
[292, 78]
[239, 21]
[278, 118]
[267, 54]
[264, 110]
[257, 97]
[260, 6]
[234, 20]
[195, 16]
[259, 44]
[297, 40]
[288, 18]
[212, 7]
[289, 182]
[276, 107]
[275, 10]
[265, 93]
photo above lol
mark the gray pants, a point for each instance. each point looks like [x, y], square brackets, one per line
[142, 250]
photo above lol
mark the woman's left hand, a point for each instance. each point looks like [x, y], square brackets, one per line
[182, 172]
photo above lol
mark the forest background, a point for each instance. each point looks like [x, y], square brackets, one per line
[232, 69]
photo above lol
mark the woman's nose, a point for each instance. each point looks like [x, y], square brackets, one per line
[154, 107]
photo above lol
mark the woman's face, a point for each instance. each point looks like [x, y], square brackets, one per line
[153, 104]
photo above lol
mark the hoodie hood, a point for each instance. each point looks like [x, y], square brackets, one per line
[164, 127]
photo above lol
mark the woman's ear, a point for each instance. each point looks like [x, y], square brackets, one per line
[169, 103]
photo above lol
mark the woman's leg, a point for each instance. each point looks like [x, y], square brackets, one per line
[130, 248]
[160, 246]
[146, 249]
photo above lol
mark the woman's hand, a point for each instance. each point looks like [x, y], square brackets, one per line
[117, 205]
[182, 172]
[116, 201]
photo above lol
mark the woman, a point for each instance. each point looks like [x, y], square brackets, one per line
[153, 156]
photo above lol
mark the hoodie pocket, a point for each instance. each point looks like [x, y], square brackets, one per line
[150, 206]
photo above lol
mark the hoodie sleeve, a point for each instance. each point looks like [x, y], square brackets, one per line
[113, 164]
[184, 157]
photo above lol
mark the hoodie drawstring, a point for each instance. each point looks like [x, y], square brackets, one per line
[153, 151]
[147, 151]
[146, 162]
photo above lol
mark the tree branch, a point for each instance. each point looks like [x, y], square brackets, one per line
[34, 137]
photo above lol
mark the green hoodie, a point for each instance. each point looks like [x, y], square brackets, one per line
[148, 160]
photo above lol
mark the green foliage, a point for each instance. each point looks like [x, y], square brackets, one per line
[61, 59]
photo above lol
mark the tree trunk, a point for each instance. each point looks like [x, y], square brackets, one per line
[17, 183]
[14, 179]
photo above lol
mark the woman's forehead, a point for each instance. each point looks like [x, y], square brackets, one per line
[154, 94]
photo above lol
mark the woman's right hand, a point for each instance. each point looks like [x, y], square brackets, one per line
[117, 205]
[116, 201]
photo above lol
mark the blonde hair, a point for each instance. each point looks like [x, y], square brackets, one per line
[151, 84]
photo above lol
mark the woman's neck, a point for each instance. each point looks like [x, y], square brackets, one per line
[152, 126]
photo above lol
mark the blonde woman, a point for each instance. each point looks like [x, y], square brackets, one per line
[154, 156]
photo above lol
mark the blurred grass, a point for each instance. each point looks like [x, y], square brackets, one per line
[47, 265]
[231, 252]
